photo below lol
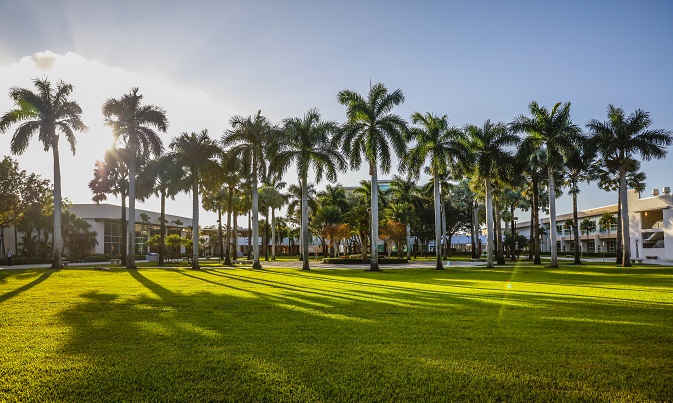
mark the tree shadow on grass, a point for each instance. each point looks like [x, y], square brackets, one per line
[260, 340]
[43, 277]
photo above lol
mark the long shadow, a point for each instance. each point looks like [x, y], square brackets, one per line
[161, 292]
[26, 287]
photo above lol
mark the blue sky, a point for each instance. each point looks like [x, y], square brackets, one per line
[204, 61]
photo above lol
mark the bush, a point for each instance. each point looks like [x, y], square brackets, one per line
[350, 260]
[97, 258]
[28, 260]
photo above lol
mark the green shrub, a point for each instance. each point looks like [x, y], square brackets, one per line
[350, 260]
[28, 260]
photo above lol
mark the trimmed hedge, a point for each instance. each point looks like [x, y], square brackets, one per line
[348, 260]
[28, 260]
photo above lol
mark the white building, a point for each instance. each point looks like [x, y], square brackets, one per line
[650, 228]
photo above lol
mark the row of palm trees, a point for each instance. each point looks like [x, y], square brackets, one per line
[254, 149]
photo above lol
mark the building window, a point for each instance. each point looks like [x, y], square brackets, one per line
[591, 246]
[112, 238]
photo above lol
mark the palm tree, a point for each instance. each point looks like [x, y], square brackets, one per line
[403, 213]
[251, 137]
[233, 170]
[577, 163]
[487, 149]
[405, 191]
[134, 124]
[294, 209]
[47, 112]
[443, 145]
[334, 196]
[215, 199]
[606, 222]
[554, 131]
[370, 131]
[165, 175]
[619, 139]
[196, 154]
[309, 142]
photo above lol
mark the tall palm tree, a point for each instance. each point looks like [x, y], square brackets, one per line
[444, 147]
[309, 143]
[47, 112]
[165, 175]
[196, 154]
[294, 197]
[619, 139]
[487, 147]
[577, 163]
[134, 125]
[234, 171]
[370, 131]
[251, 137]
[111, 177]
[554, 131]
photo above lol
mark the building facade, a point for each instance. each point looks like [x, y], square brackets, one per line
[650, 228]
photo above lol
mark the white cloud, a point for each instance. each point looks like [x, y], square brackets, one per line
[187, 110]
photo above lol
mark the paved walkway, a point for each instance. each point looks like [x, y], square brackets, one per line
[424, 264]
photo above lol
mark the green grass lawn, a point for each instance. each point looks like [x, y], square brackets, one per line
[516, 333]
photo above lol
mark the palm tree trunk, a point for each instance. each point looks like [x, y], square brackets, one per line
[230, 206]
[131, 230]
[162, 228]
[408, 241]
[234, 214]
[195, 222]
[373, 170]
[498, 234]
[489, 224]
[438, 223]
[474, 225]
[266, 234]
[249, 234]
[531, 237]
[219, 232]
[304, 225]
[124, 247]
[273, 234]
[536, 221]
[513, 228]
[552, 217]
[58, 234]
[626, 261]
[578, 260]
[618, 250]
[255, 216]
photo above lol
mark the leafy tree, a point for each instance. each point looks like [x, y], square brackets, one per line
[49, 113]
[444, 147]
[196, 154]
[405, 191]
[606, 221]
[161, 177]
[577, 163]
[78, 238]
[21, 193]
[487, 146]
[554, 131]
[619, 139]
[308, 142]
[133, 125]
[370, 131]
[111, 177]
[404, 214]
[587, 226]
[251, 137]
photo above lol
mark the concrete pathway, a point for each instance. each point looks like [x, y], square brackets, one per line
[419, 264]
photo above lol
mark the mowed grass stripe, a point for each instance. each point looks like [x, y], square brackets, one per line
[514, 333]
